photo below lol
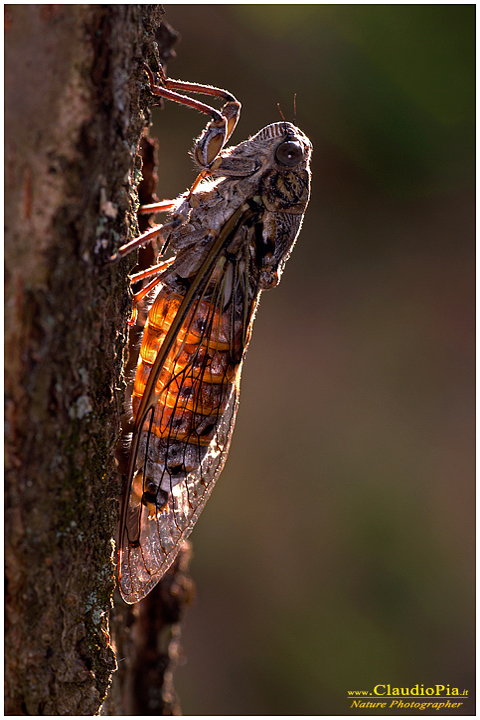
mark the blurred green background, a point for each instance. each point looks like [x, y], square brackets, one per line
[336, 552]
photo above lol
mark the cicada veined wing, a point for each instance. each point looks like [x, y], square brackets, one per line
[184, 402]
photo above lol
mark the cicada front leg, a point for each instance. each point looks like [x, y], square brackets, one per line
[205, 150]
[218, 131]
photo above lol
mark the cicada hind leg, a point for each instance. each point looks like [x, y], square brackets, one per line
[206, 147]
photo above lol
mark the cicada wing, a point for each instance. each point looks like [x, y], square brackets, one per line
[187, 389]
[162, 531]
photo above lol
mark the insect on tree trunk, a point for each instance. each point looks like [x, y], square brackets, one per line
[75, 112]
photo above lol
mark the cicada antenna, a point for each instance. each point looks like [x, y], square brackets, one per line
[282, 115]
[294, 110]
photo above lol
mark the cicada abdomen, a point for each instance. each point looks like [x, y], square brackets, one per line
[193, 388]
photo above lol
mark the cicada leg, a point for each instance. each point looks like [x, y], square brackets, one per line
[161, 206]
[151, 233]
[219, 129]
[156, 271]
[206, 148]
[211, 141]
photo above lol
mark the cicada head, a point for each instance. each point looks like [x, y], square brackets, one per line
[281, 146]
[276, 163]
[286, 144]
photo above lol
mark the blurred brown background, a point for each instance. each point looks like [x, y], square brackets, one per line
[336, 552]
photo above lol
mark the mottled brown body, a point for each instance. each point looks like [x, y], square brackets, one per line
[231, 236]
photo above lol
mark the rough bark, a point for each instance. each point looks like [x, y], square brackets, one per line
[76, 108]
[147, 644]
[146, 636]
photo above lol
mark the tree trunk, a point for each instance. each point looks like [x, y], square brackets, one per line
[75, 111]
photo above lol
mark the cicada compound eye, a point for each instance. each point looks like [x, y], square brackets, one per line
[289, 153]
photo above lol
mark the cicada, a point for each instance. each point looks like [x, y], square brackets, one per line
[229, 238]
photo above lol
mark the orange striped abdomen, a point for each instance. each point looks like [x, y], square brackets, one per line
[197, 372]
